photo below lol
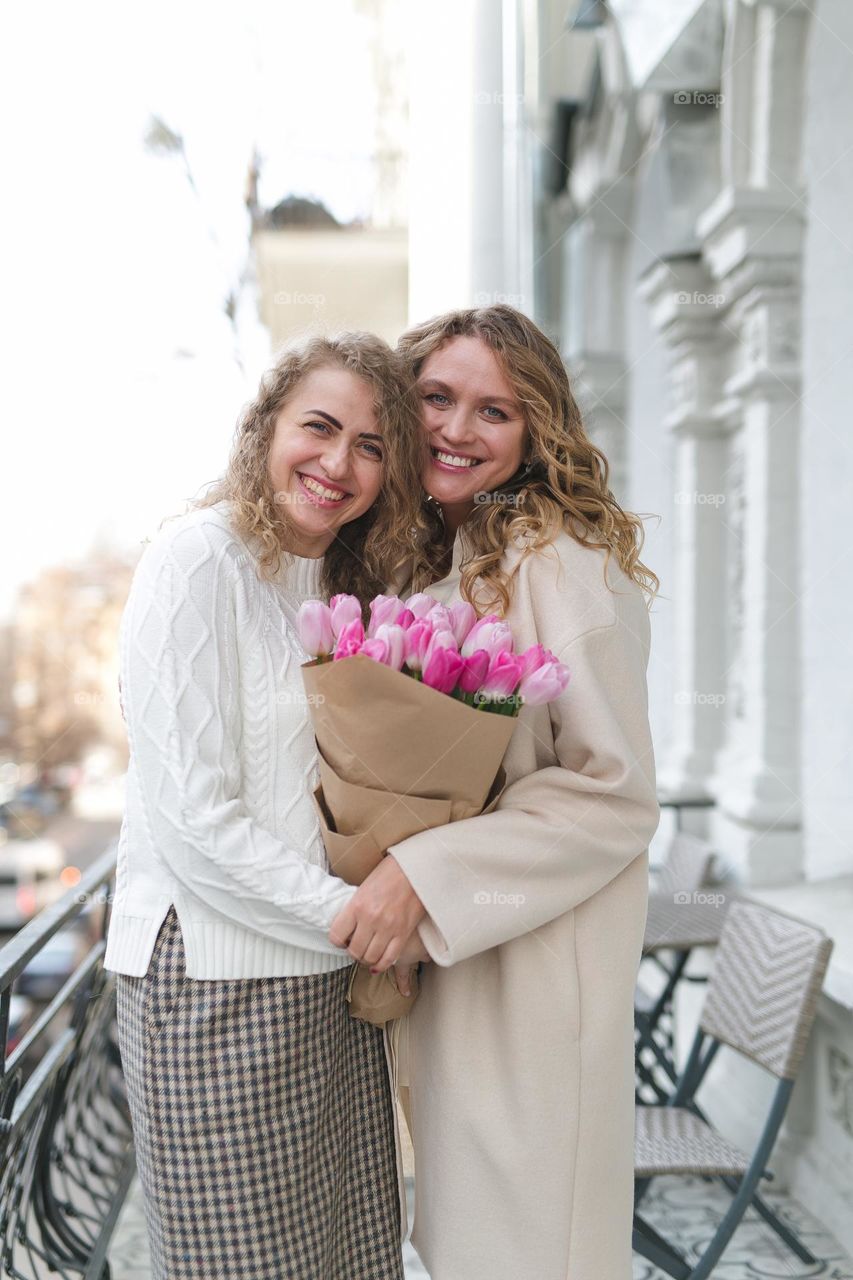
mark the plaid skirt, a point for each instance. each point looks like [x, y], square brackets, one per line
[263, 1125]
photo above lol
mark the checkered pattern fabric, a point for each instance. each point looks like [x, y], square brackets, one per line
[263, 1125]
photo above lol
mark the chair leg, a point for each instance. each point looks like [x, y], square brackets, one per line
[784, 1232]
[747, 1185]
[658, 1251]
[646, 1036]
[641, 1186]
[646, 1072]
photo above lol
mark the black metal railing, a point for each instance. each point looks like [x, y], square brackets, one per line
[66, 1150]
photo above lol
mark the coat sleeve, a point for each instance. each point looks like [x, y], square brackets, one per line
[560, 833]
[180, 685]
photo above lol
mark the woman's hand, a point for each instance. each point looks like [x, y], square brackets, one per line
[414, 952]
[380, 918]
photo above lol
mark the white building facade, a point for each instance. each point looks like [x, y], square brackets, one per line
[665, 186]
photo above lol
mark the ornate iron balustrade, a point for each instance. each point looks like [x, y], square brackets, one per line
[66, 1150]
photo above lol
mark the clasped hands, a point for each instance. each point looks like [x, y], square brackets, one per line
[378, 926]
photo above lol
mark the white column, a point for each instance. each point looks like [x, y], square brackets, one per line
[751, 241]
[686, 311]
[456, 155]
[595, 255]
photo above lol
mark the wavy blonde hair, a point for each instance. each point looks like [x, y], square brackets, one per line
[567, 485]
[365, 553]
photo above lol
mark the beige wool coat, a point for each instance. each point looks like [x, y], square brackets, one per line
[519, 1053]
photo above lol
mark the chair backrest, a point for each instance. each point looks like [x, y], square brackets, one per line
[764, 986]
[685, 867]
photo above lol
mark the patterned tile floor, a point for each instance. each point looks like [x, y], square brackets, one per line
[684, 1209]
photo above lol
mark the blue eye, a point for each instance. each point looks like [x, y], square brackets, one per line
[493, 408]
[324, 426]
[435, 395]
[377, 452]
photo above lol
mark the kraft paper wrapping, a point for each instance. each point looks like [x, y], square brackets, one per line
[396, 757]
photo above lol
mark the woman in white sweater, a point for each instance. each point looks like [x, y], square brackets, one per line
[519, 1051]
[261, 1110]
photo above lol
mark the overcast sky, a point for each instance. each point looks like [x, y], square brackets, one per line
[122, 387]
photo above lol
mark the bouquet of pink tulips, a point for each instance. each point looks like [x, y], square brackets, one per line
[446, 648]
[412, 719]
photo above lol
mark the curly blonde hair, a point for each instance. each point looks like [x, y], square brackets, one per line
[566, 483]
[365, 553]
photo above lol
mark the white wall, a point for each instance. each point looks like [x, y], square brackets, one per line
[827, 446]
[649, 454]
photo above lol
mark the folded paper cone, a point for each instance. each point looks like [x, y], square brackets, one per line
[380, 729]
[395, 758]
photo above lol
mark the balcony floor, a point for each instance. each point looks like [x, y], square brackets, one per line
[686, 1208]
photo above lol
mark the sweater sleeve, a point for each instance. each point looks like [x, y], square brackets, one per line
[180, 684]
[562, 832]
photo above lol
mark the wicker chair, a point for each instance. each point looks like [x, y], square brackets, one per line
[761, 1002]
[676, 923]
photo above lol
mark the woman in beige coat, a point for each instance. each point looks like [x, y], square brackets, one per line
[519, 1051]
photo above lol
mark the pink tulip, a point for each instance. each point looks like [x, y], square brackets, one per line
[491, 634]
[350, 640]
[474, 671]
[314, 623]
[375, 649]
[462, 618]
[344, 609]
[544, 684]
[441, 670]
[420, 604]
[469, 646]
[439, 616]
[502, 677]
[384, 609]
[442, 638]
[534, 658]
[416, 643]
[405, 619]
[395, 638]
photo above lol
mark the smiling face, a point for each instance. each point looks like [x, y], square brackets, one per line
[326, 457]
[475, 426]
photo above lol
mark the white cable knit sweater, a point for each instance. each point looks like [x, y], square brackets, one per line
[219, 818]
